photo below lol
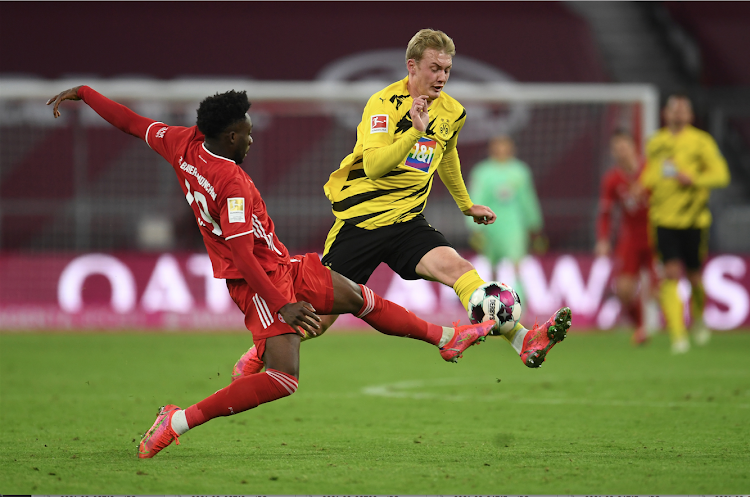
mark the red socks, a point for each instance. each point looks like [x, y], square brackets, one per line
[242, 394]
[392, 319]
[635, 311]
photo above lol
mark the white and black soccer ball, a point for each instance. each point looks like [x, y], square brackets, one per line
[498, 301]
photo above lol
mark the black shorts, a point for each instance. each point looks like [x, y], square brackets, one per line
[687, 245]
[356, 252]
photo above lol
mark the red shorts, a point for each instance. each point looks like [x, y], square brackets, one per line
[303, 279]
[630, 258]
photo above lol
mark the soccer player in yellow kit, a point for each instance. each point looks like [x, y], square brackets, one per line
[408, 132]
[683, 165]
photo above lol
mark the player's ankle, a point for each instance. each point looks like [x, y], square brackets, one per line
[179, 422]
[517, 341]
[448, 334]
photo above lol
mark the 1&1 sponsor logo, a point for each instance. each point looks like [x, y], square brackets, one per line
[421, 155]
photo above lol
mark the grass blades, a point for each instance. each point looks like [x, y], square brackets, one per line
[378, 415]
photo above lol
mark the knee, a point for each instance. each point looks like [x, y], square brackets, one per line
[673, 270]
[443, 264]
[356, 299]
[625, 296]
[352, 299]
[327, 321]
[625, 289]
[463, 266]
[286, 369]
[695, 278]
[286, 384]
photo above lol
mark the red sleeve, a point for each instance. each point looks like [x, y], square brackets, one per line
[607, 201]
[253, 273]
[115, 114]
[237, 228]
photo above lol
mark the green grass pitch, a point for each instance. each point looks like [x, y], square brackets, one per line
[379, 415]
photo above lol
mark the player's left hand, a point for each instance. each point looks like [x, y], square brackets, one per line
[481, 214]
[71, 94]
[683, 179]
[302, 318]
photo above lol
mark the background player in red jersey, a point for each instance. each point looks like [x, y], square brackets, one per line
[280, 295]
[633, 251]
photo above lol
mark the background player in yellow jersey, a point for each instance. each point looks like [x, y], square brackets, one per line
[683, 165]
[408, 132]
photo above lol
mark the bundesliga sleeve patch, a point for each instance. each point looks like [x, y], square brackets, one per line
[236, 209]
[379, 123]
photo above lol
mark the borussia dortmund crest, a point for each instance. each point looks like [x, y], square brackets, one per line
[444, 129]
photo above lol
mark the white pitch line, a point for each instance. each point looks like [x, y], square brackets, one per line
[406, 390]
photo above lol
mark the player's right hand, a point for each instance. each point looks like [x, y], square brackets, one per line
[420, 119]
[71, 94]
[301, 315]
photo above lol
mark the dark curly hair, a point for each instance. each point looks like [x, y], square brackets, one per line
[218, 112]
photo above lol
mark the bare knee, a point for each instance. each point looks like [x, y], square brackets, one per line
[327, 321]
[673, 269]
[347, 296]
[626, 289]
[282, 354]
[694, 276]
[443, 264]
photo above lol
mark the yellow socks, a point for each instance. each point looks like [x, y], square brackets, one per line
[516, 339]
[697, 303]
[465, 286]
[673, 312]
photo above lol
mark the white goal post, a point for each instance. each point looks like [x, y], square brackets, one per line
[302, 130]
[335, 91]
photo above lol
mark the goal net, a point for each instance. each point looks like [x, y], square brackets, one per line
[75, 183]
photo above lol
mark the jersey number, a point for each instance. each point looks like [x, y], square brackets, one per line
[200, 200]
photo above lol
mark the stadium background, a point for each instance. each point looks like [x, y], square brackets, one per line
[78, 196]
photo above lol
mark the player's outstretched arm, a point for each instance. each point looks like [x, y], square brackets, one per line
[116, 114]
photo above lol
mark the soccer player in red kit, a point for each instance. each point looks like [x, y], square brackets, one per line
[633, 251]
[281, 296]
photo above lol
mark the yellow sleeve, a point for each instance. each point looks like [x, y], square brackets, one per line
[651, 173]
[715, 173]
[382, 159]
[449, 170]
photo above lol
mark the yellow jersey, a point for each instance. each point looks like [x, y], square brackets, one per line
[400, 193]
[694, 153]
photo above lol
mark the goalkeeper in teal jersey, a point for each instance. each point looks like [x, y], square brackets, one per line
[504, 184]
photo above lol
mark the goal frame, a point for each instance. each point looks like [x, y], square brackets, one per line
[335, 91]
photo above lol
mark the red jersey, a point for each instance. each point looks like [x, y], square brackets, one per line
[224, 199]
[617, 191]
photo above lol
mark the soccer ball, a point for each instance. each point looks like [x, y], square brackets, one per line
[498, 301]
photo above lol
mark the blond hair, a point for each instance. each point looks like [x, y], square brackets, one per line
[429, 38]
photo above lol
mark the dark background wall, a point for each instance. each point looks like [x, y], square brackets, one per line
[532, 41]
